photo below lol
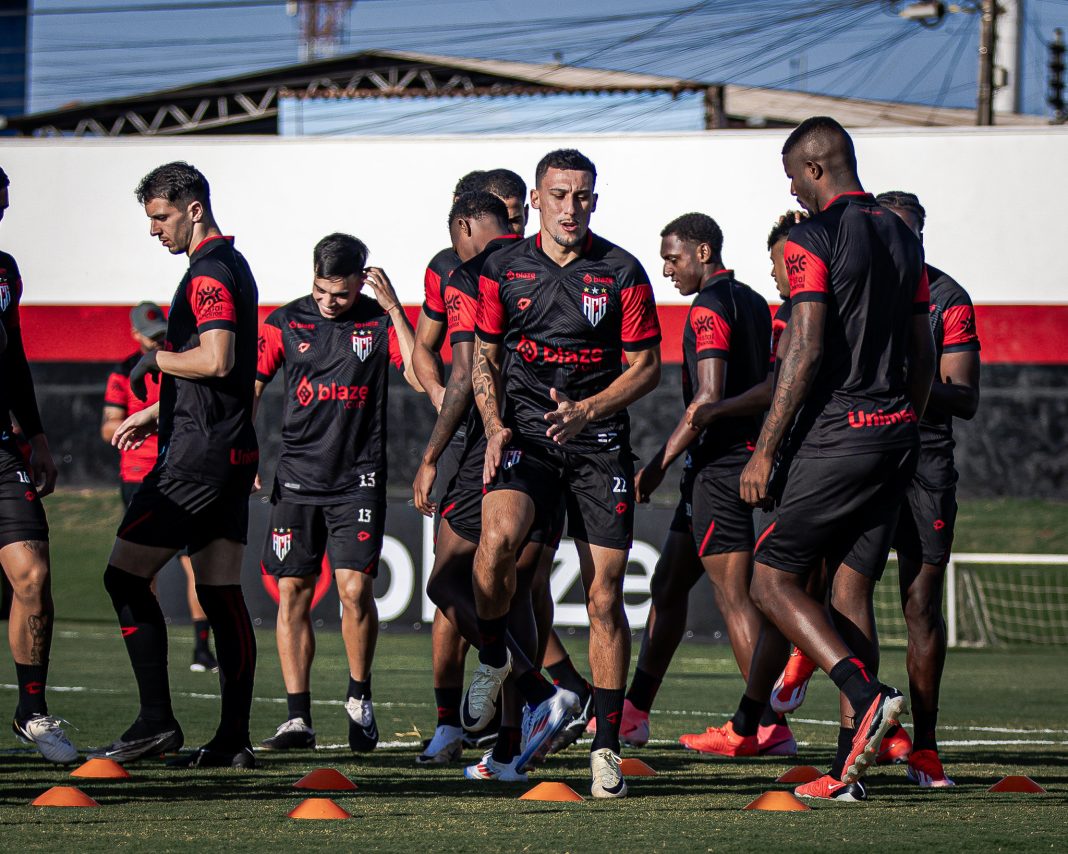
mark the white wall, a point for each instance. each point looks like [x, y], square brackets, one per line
[994, 199]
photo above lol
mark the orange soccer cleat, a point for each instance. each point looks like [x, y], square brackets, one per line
[723, 741]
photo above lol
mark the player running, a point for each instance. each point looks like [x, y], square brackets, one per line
[23, 527]
[854, 381]
[556, 314]
[925, 527]
[329, 494]
[148, 327]
[197, 495]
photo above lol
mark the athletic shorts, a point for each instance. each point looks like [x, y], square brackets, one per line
[929, 511]
[838, 509]
[682, 520]
[722, 522]
[169, 512]
[22, 516]
[597, 489]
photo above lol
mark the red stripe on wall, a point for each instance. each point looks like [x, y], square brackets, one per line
[1010, 334]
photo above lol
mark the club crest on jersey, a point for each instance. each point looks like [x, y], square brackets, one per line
[281, 542]
[511, 457]
[594, 303]
[362, 341]
[5, 296]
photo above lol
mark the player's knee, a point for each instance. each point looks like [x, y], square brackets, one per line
[922, 615]
[764, 594]
[604, 603]
[31, 586]
[355, 591]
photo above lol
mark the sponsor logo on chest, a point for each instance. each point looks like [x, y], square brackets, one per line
[595, 297]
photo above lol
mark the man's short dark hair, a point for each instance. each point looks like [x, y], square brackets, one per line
[505, 184]
[905, 202]
[4, 180]
[177, 182]
[339, 255]
[470, 182]
[696, 228]
[565, 158]
[781, 229]
[478, 205]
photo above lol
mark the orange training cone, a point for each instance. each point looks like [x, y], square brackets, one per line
[778, 802]
[1016, 783]
[64, 796]
[800, 774]
[319, 808]
[101, 769]
[551, 792]
[325, 780]
[636, 768]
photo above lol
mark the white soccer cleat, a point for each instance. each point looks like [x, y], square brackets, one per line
[45, 732]
[480, 701]
[607, 772]
[543, 722]
[490, 769]
[446, 746]
[294, 734]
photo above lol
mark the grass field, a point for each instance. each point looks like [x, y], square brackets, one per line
[1003, 711]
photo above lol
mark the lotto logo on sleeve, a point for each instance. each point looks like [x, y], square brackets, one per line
[281, 542]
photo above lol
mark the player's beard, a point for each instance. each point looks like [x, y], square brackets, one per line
[569, 241]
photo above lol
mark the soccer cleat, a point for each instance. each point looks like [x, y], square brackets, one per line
[925, 768]
[543, 722]
[722, 740]
[204, 662]
[634, 728]
[895, 748]
[132, 745]
[607, 773]
[446, 746]
[826, 788]
[294, 734]
[46, 734]
[574, 728]
[789, 691]
[889, 704]
[776, 740]
[490, 769]
[480, 701]
[363, 731]
[209, 757]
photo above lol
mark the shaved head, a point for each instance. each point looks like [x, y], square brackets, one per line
[820, 161]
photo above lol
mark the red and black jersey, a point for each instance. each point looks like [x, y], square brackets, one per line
[205, 426]
[17, 396]
[565, 328]
[953, 327]
[727, 320]
[334, 416]
[863, 262]
[434, 279]
[135, 464]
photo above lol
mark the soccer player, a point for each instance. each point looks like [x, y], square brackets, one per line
[556, 315]
[148, 327]
[853, 383]
[196, 498]
[925, 527]
[329, 497]
[23, 527]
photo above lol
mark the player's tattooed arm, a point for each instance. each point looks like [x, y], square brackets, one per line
[485, 382]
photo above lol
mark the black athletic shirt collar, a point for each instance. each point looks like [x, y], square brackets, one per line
[206, 245]
[850, 196]
[587, 244]
[717, 276]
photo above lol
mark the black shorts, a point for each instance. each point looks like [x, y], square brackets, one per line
[350, 533]
[168, 512]
[597, 489]
[838, 509]
[929, 511]
[682, 520]
[722, 522]
[22, 516]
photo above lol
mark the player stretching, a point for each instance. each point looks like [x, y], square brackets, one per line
[854, 381]
[148, 327]
[197, 495]
[23, 527]
[556, 315]
[925, 527]
[329, 495]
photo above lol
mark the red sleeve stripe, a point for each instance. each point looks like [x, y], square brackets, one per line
[922, 298]
[461, 308]
[640, 322]
[489, 316]
[271, 352]
[713, 332]
[807, 271]
[395, 355]
[958, 325]
[432, 295]
[212, 303]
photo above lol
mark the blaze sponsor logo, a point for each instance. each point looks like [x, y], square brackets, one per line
[303, 347]
[860, 419]
[353, 396]
[527, 350]
[516, 274]
[594, 303]
[239, 457]
[523, 304]
[362, 343]
[5, 296]
[621, 508]
[599, 280]
[281, 542]
[293, 324]
[305, 392]
[511, 458]
[363, 536]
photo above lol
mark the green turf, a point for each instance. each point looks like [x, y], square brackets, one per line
[695, 804]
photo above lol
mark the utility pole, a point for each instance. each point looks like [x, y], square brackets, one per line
[1008, 57]
[322, 26]
[987, 40]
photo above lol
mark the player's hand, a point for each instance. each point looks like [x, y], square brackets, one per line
[700, 415]
[377, 280]
[43, 471]
[567, 420]
[257, 484]
[140, 371]
[495, 446]
[437, 396]
[421, 487]
[645, 483]
[131, 434]
[754, 482]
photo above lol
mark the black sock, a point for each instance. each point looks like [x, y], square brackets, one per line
[507, 746]
[492, 649]
[608, 703]
[564, 674]
[747, 718]
[772, 717]
[859, 686]
[201, 632]
[360, 688]
[643, 688]
[145, 632]
[300, 706]
[534, 687]
[448, 702]
[31, 679]
[235, 647]
[845, 744]
[923, 729]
